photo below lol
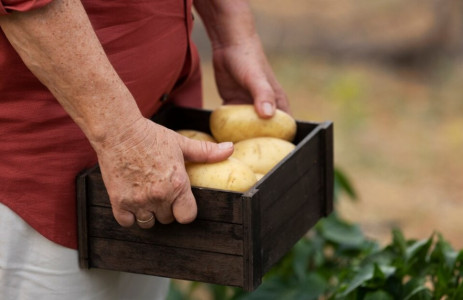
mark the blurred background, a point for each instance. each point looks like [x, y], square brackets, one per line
[389, 74]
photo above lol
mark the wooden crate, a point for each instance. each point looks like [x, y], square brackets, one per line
[236, 238]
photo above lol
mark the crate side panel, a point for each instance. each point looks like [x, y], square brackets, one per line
[279, 240]
[252, 249]
[302, 194]
[292, 199]
[200, 235]
[169, 262]
[303, 162]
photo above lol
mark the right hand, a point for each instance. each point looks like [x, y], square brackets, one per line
[144, 173]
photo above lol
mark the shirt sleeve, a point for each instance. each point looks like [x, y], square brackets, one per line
[8, 6]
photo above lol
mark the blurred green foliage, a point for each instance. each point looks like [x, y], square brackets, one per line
[337, 261]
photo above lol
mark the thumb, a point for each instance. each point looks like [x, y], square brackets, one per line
[204, 152]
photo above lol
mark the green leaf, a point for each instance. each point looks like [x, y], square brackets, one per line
[218, 291]
[459, 262]
[302, 252]
[341, 232]
[398, 241]
[444, 254]
[383, 271]
[420, 293]
[379, 277]
[311, 288]
[415, 289]
[458, 294]
[378, 295]
[393, 286]
[268, 290]
[418, 249]
[175, 293]
[363, 275]
[343, 184]
[417, 257]
[381, 257]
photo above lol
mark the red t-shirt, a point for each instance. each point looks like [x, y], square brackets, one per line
[41, 148]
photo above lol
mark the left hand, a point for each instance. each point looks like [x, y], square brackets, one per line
[243, 75]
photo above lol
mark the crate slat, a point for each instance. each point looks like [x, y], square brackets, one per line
[200, 235]
[179, 263]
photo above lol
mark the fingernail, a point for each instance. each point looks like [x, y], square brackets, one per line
[267, 108]
[225, 145]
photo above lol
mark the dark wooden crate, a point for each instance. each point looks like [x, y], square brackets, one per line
[236, 238]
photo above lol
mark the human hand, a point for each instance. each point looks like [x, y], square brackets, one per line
[144, 173]
[243, 75]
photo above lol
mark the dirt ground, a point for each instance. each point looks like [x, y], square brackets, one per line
[398, 127]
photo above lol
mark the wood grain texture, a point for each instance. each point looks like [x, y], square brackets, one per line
[252, 243]
[200, 235]
[169, 262]
[280, 239]
[304, 161]
[293, 197]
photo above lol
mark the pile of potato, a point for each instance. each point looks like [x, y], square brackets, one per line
[259, 145]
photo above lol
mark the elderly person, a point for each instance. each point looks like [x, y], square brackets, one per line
[78, 82]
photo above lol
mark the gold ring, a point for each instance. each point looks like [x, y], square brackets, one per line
[146, 221]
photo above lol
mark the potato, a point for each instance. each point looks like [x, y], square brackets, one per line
[234, 123]
[230, 174]
[259, 176]
[263, 153]
[196, 135]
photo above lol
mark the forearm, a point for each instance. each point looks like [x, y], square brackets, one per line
[60, 47]
[227, 22]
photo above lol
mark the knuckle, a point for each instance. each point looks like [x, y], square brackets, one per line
[179, 180]
[138, 200]
[206, 149]
[157, 192]
[115, 199]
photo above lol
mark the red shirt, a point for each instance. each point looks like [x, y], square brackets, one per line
[41, 148]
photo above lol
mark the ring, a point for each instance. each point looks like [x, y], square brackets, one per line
[146, 221]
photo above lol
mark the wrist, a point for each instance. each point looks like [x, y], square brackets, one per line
[228, 23]
[118, 137]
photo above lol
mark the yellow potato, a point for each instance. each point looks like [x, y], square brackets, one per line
[230, 174]
[235, 123]
[263, 153]
[196, 135]
[259, 176]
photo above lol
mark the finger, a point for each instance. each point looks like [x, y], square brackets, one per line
[184, 207]
[123, 217]
[202, 151]
[263, 94]
[281, 99]
[145, 219]
[164, 213]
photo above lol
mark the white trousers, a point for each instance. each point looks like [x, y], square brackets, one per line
[32, 267]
